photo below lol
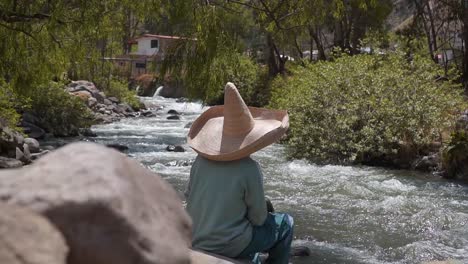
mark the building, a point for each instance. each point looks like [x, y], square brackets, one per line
[148, 52]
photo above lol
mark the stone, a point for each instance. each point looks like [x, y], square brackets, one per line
[173, 112]
[179, 163]
[188, 125]
[29, 238]
[19, 154]
[148, 113]
[9, 163]
[109, 208]
[300, 251]
[173, 117]
[100, 96]
[126, 107]
[36, 156]
[173, 148]
[107, 102]
[27, 154]
[102, 110]
[87, 132]
[118, 147]
[83, 95]
[427, 163]
[30, 118]
[10, 139]
[113, 99]
[33, 144]
[32, 130]
[92, 102]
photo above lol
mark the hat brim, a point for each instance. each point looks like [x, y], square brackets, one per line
[207, 138]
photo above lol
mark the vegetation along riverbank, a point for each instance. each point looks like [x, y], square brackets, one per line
[379, 83]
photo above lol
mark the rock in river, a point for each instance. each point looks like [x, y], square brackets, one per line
[173, 148]
[173, 112]
[33, 144]
[117, 147]
[173, 117]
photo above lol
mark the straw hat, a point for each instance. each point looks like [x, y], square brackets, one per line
[233, 131]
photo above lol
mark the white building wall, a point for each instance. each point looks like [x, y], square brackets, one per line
[144, 47]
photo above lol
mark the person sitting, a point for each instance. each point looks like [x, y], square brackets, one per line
[225, 195]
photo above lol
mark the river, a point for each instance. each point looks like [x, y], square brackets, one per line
[345, 214]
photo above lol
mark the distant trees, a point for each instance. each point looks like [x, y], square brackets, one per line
[444, 23]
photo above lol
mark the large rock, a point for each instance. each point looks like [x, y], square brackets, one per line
[33, 130]
[83, 95]
[10, 140]
[9, 163]
[33, 144]
[109, 208]
[29, 238]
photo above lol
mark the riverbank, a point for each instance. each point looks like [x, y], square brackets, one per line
[18, 149]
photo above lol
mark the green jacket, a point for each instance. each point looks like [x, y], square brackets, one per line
[225, 199]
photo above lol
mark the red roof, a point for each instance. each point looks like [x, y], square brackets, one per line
[158, 36]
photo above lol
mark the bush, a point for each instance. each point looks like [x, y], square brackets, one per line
[59, 112]
[455, 156]
[366, 108]
[8, 115]
[119, 89]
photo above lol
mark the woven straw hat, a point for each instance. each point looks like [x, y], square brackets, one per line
[233, 131]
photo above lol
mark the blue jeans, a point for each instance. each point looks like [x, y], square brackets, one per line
[274, 236]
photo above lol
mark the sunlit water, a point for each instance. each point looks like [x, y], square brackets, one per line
[344, 214]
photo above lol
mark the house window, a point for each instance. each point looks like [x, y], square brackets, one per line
[140, 65]
[154, 43]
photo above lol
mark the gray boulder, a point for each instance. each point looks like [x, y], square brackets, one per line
[9, 163]
[173, 117]
[109, 208]
[29, 238]
[173, 112]
[173, 148]
[19, 154]
[107, 101]
[10, 140]
[114, 100]
[36, 156]
[33, 130]
[33, 144]
[427, 163]
[100, 96]
[26, 153]
[92, 102]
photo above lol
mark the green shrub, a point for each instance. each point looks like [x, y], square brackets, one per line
[8, 115]
[119, 89]
[366, 108]
[59, 112]
[455, 156]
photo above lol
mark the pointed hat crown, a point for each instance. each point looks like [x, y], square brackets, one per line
[237, 117]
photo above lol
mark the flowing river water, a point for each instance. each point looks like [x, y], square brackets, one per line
[344, 214]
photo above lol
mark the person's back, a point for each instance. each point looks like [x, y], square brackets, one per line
[225, 199]
[225, 196]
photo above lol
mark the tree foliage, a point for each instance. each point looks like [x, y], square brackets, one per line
[41, 41]
[366, 108]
